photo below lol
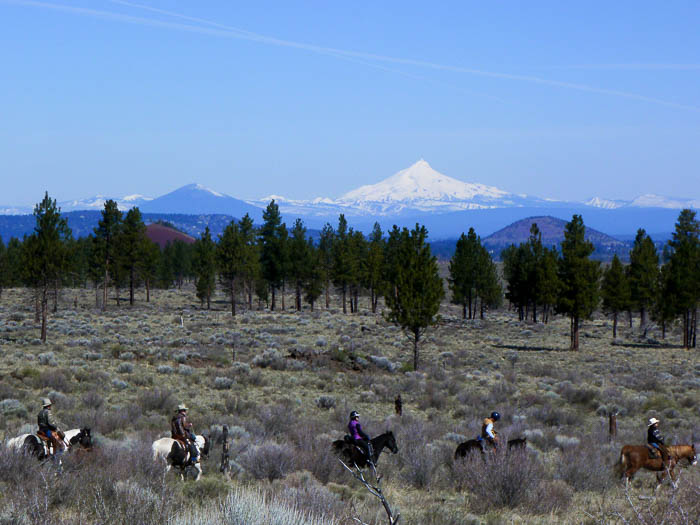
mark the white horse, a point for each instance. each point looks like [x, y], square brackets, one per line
[32, 445]
[175, 455]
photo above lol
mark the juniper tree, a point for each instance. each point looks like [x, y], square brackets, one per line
[48, 260]
[615, 291]
[643, 275]
[578, 277]
[204, 266]
[272, 237]
[417, 285]
[684, 273]
[105, 239]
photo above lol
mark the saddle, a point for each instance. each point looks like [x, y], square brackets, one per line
[654, 453]
[348, 439]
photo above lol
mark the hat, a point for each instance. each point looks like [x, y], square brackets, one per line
[181, 407]
[653, 421]
[45, 402]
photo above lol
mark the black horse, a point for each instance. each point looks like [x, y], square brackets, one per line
[352, 454]
[472, 445]
[76, 438]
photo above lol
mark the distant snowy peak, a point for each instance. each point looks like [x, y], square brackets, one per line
[420, 182]
[597, 202]
[644, 201]
[200, 187]
[98, 203]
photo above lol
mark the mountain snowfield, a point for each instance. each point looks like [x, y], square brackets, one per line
[416, 190]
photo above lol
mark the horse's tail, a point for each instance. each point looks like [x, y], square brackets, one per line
[621, 464]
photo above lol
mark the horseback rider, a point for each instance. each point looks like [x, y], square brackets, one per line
[488, 432]
[181, 429]
[48, 427]
[359, 437]
[655, 441]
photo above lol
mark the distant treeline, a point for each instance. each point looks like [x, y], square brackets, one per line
[267, 262]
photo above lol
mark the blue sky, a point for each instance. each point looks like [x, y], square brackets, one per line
[307, 99]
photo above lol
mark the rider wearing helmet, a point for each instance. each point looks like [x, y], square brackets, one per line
[48, 426]
[181, 429]
[358, 436]
[656, 441]
[488, 432]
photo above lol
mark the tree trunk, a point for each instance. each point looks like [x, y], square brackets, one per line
[55, 296]
[104, 286]
[298, 297]
[131, 286]
[272, 303]
[615, 325]
[663, 329]
[233, 298]
[282, 292]
[469, 299]
[37, 306]
[642, 319]
[148, 290]
[44, 311]
[416, 337]
[464, 311]
[575, 332]
[481, 315]
[534, 313]
[694, 326]
[328, 294]
[345, 308]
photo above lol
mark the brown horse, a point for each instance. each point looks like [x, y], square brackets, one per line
[635, 457]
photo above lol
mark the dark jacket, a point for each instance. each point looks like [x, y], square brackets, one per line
[654, 436]
[180, 427]
[46, 421]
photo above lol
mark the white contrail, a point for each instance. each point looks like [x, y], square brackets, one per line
[226, 31]
[630, 67]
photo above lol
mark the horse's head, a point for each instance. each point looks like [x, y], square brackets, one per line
[391, 442]
[85, 438]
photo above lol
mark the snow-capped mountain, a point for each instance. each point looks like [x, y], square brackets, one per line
[645, 201]
[416, 189]
[195, 199]
[98, 202]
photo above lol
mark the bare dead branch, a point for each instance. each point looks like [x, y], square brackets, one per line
[375, 490]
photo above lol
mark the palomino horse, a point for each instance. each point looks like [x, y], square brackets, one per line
[476, 445]
[635, 457]
[32, 445]
[174, 454]
[352, 454]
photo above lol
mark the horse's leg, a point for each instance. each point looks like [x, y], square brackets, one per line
[198, 468]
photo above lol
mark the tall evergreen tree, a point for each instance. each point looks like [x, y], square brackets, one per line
[325, 247]
[251, 257]
[149, 265]
[230, 255]
[342, 265]
[204, 266]
[13, 258]
[166, 273]
[131, 245]
[488, 285]
[517, 271]
[615, 291]
[299, 260]
[357, 254]
[272, 237]
[578, 276]
[48, 255]
[643, 274]
[374, 266]
[548, 282]
[418, 287]
[665, 307]
[684, 273]
[314, 278]
[106, 247]
[464, 272]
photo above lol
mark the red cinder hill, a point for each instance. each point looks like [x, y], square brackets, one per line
[162, 235]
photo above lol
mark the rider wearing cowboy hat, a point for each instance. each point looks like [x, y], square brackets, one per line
[182, 430]
[48, 426]
[358, 436]
[656, 441]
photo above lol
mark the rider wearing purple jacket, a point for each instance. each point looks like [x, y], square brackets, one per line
[358, 436]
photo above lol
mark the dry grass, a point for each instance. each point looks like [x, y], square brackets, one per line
[284, 383]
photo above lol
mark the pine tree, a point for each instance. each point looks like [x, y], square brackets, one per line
[314, 279]
[166, 274]
[299, 260]
[579, 277]
[105, 249]
[325, 246]
[374, 266]
[230, 255]
[204, 266]
[643, 274]
[548, 280]
[357, 257]
[13, 258]
[149, 265]
[251, 257]
[418, 287]
[615, 291]
[684, 273]
[517, 272]
[342, 266]
[131, 243]
[488, 285]
[48, 259]
[464, 272]
[665, 307]
[272, 237]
